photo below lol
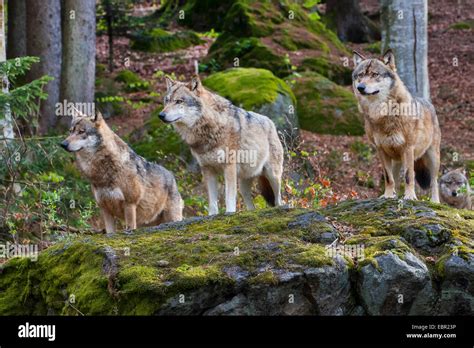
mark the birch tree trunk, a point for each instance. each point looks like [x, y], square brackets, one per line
[6, 121]
[404, 30]
[43, 39]
[78, 69]
[16, 44]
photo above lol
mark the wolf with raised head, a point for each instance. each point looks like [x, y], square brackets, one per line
[455, 190]
[403, 128]
[224, 138]
[124, 184]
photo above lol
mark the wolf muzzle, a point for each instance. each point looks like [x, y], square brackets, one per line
[64, 144]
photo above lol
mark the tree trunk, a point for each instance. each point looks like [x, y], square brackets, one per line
[16, 46]
[349, 22]
[43, 39]
[78, 71]
[404, 30]
[6, 121]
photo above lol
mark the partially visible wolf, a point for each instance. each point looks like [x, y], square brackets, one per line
[404, 129]
[124, 184]
[455, 190]
[224, 138]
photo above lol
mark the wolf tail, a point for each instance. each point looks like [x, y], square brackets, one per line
[422, 173]
[266, 190]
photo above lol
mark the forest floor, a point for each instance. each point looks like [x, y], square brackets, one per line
[348, 162]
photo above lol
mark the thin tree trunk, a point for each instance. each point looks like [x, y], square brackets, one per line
[43, 39]
[16, 45]
[404, 30]
[78, 71]
[6, 121]
[109, 17]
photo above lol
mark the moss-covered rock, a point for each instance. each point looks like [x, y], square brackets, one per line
[325, 107]
[260, 34]
[257, 90]
[335, 72]
[223, 265]
[158, 40]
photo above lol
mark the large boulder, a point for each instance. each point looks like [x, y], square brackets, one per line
[325, 107]
[265, 262]
[260, 91]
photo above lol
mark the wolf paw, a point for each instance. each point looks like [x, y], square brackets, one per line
[410, 196]
[388, 196]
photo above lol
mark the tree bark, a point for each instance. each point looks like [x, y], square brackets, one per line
[6, 121]
[43, 39]
[78, 70]
[350, 23]
[16, 45]
[405, 31]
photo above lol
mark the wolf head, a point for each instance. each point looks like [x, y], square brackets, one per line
[182, 102]
[373, 77]
[85, 133]
[454, 184]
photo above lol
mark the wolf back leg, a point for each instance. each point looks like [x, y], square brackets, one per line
[431, 157]
[274, 178]
[246, 191]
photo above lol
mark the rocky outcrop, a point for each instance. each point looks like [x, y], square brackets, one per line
[355, 258]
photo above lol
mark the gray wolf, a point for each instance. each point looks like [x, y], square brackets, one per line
[224, 138]
[403, 128]
[124, 184]
[455, 190]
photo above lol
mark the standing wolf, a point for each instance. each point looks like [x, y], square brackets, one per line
[224, 138]
[404, 129]
[455, 190]
[124, 184]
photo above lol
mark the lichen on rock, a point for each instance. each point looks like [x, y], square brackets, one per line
[264, 262]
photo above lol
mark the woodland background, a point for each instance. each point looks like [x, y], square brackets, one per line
[116, 53]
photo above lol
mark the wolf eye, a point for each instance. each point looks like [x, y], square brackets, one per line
[81, 131]
[179, 101]
[375, 74]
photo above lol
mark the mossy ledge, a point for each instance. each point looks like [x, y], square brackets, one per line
[251, 262]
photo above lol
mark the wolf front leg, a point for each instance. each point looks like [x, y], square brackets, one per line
[230, 178]
[130, 216]
[210, 178]
[388, 175]
[109, 221]
[408, 162]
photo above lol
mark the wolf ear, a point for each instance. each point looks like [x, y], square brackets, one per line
[195, 83]
[169, 82]
[389, 59]
[461, 170]
[357, 58]
[76, 113]
[98, 118]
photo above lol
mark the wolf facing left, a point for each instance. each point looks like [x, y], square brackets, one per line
[124, 184]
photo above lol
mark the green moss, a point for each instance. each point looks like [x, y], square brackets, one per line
[465, 25]
[158, 40]
[325, 107]
[314, 255]
[248, 87]
[156, 139]
[264, 278]
[132, 82]
[325, 67]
